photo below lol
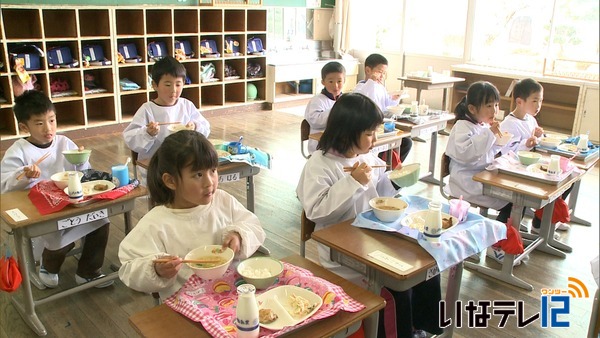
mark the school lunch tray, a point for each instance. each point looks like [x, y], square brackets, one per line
[589, 155]
[521, 171]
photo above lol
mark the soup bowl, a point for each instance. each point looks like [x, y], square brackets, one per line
[388, 209]
[222, 259]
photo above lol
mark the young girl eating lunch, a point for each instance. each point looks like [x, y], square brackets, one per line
[330, 194]
[190, 212]
[472, 146]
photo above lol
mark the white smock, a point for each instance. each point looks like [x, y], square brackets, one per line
[329, 195]
[471, 148]
[378, 93]
[521, 129]
[317, 113]
[164, 231]
[137, 138]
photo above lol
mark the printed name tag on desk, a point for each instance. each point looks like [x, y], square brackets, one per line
[82, 219]
[391, 261]
[380, 149]
[16, 214]
[428, 131]
[229, 177]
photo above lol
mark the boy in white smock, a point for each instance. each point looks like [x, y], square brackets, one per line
[528, 95]
[36, 115]
[149, 126]
[373, 87]
[333, 77]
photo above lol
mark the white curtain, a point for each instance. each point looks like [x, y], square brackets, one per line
[342, 28]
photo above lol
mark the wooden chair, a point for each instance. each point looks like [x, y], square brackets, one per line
[304, 134]
[134, 157]
[306, 229]
[445, 172]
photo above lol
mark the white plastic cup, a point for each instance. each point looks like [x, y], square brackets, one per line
[414, 107]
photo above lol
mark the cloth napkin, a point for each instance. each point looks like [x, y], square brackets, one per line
[253, 157]
[472, 236]
[212, 302]
[48, 198]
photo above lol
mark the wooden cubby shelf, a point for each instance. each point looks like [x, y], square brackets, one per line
[112, 26]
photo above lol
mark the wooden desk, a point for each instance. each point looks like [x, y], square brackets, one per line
[162, 321]
[431, 126]
[231, 172]
[382, 144]
[435, 82]
[350, 246]
[574, 195]
[37, 225]
[523, 192]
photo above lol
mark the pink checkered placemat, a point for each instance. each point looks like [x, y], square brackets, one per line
[212, 302]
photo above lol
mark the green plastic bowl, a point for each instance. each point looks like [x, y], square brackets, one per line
[261, 272]
[77, 156]
[407, 176]
[528, 157]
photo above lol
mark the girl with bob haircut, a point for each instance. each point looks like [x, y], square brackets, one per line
[190, 212]
[329, 195]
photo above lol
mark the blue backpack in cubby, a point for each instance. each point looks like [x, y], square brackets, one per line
[208, 48]
[31, 55]
[129, 52]
[255, 46]
[186, 47]
[157, 50]
[94, 54]
[61, 57]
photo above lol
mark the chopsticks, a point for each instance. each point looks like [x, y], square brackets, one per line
[45, 156]
[194, 261]
[373, 166]
[165, 123]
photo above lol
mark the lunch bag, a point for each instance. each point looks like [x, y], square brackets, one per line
[61, 57]
[157, 50]
[94, 54]
[186, 47]
[31, 55]
[232, 47]
[255, 46]
[208, 48]
[129, 52]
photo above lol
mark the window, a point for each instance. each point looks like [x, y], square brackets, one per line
[376, 24]
[546, 37]
[436, 27]
[574, 48]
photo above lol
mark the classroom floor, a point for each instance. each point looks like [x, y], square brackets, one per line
[104, 312]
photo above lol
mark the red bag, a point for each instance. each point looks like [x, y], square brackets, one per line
[560, 213]
[513, 244]
[395, 157]
[10, 275]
